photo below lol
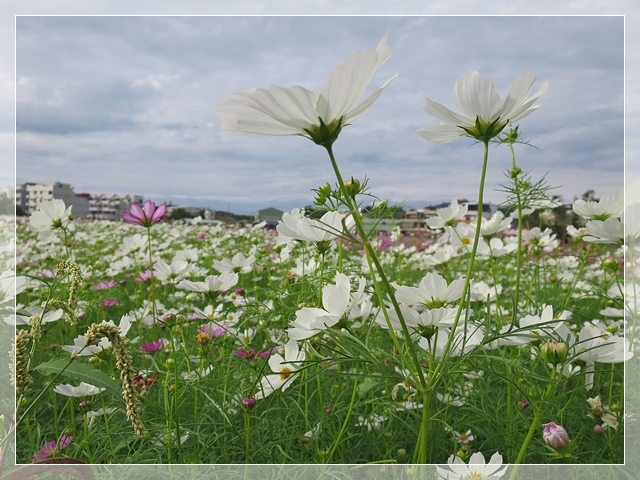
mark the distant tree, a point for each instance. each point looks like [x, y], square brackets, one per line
[179, 213]
[589, 196]
[7, 205]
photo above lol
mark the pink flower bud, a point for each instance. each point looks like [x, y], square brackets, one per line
[555, 436]
[248, 402]
[598, 429]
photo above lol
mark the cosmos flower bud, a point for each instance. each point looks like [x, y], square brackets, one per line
[598, 429]
[556, 437]
[554, 352]
[248, 402]
[352, 186]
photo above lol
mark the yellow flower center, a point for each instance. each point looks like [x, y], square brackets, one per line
[476, 476]
[285, 373]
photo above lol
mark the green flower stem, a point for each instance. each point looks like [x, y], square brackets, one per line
[510, 401]
[372, 257]
[247, 435]
[165, 397]
[516, 182]
[535, 423]
[434, 378]
[578, 275]
[336, 442]
[154, 313]
[423, 436]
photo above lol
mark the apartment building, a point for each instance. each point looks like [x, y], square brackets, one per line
[111, 207]
[30, 195]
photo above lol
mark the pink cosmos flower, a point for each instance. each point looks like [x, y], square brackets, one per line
[146, 215]
[104, 285]
[152, 346]
[213, 330]
[49, 273]
[144, 276]
[109, 302]
[252, 354]
[50, 448]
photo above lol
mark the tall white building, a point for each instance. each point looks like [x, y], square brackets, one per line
[29, 196]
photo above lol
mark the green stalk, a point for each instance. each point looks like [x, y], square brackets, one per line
[516, 295]
[434, 378]
[247, 435]
[153, 295]
[352, 402]
[372, 257]
[534, 424]
[578, 275]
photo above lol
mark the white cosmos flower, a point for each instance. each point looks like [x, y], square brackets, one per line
[170, 273]
[609, 206]
[51, 215]
[238, 263]
[448, 215]
[497, 223]
[212, 283]
[596, 345]
[299, 111]
[337, 300]
[477, 469]
[632, 226]
[464, 340]
[83, 390]
[417, 322]
[495, 248]
[81, 348]
[284, 370]
[546, 326]
[484, 112]
[371, 422]
[48, 317]
[610, 230]
[432, 291]
[296, 226]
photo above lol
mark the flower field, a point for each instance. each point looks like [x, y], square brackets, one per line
[249, 346]
[477, 343]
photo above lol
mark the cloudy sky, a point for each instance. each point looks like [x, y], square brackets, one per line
[127, 104]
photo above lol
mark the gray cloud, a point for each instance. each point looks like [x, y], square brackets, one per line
[120, 104]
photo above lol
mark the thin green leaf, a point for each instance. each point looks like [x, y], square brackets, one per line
[81, 372]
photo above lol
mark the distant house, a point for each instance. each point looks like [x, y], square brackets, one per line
[488, 209]
[110, 207]
[270, 215]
